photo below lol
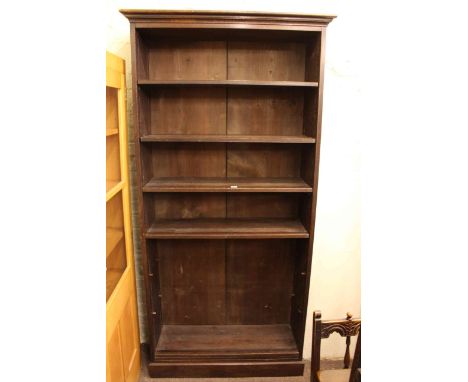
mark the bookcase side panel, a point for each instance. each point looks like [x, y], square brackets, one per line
[310, 171]
[139, 68]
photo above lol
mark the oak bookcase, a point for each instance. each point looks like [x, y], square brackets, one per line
[227, 110]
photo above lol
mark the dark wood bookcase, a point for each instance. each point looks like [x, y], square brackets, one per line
[227, 111]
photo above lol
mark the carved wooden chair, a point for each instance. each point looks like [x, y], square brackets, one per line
[356, 367]
[345, 328]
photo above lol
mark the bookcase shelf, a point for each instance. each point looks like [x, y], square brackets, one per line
[227, 229]
[227, 110]
[226, 185]
[110, 132]
[227, 138]
[227, 83]
[112, 188]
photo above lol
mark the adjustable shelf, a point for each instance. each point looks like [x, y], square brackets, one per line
[227, 83]
[227, 229]
[227, 138]
[227, 185]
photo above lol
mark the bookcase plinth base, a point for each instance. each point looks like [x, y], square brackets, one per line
[220, 370]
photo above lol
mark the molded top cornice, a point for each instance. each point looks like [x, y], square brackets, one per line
[225, 17]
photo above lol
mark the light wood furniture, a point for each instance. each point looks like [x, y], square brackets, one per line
[122, 333]
[345, 328]
[227, 113]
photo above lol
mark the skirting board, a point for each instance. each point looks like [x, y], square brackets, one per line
[220, 370]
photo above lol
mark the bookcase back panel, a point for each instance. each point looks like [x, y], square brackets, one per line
[189, 206]
[224, 110]
[192, 279]
[149, 35]
[189, 160]
[262, 205]
[188, 110]
[222, 205]
[215, 54]
[265, 111]
[259, 279]
[187, 60]
[235, 160]
[263, 161]
[266, 61]
[249, 282]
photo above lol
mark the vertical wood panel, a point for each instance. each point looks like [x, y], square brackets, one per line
[185, 159]
[298, 309]
[188, 110]
[140, 60]
[129, 339]
[313, 54]
[153, 291]
[262, 205]
[187, 60]
[265, 111]
[140, 70]
[115, 361]
[263, 161]
[259, 281]
[316, 128]
[189, 206]
[266, 61]
[192, 276]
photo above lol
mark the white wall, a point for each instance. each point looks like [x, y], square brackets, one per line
[335, 286]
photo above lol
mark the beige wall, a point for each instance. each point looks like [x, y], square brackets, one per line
[335, 286]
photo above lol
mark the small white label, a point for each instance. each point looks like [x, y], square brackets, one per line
[233, 186]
